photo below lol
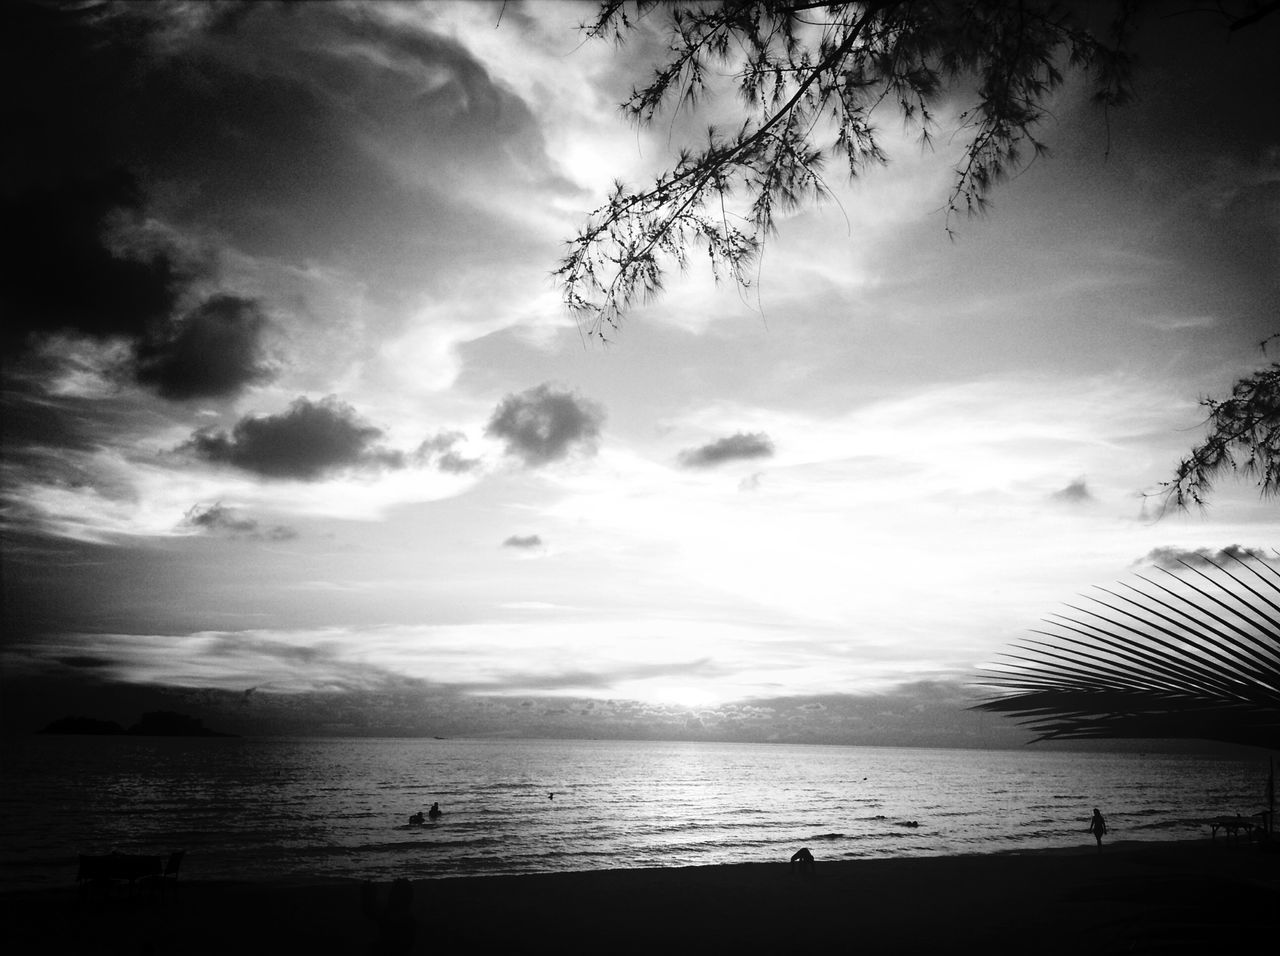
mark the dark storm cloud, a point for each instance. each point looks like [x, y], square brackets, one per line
[308, 442]
[74, 63]
[1171, 557]
[85, 253]
[742, 446]
[79, 265]
[214, 351]
[523, 541]
[76, 257]
[276, 129]
[59, 271]
[261, 123]
[220, 520]
[1075, 493]
[1216, 175]
[543, 424]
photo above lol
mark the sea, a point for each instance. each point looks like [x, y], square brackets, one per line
[312, 810]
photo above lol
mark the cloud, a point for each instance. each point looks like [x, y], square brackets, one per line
[455, 464]
[216, 660]
[307, 442]
[1171, 557]
[440, 450]
[509, 682]
[213, 351]
[543, 424]
[217, 519]
[1075, 493]
[741, 446]
[60, 271]
[523, 541]
[85, 662]
[335, 109]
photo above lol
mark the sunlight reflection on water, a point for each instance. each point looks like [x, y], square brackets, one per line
[306, 809]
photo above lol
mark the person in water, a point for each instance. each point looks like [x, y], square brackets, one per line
[417, 819]
[1097, 826]
[435, 811]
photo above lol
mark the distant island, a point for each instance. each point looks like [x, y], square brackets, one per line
[157, 723]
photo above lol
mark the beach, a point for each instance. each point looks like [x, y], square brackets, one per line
[1180, 896]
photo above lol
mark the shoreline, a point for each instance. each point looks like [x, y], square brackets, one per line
[1133, 896]
[1112, 846]
[1160, 896]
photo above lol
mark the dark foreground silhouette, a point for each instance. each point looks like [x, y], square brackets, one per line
[395, 921]
[1198, 897]
[1098, 826]
[803, 862]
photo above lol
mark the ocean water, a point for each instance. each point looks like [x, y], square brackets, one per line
[306, 810]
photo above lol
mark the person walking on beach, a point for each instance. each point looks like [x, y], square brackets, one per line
[1097, 826]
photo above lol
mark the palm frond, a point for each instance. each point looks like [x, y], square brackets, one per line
[1191, 654]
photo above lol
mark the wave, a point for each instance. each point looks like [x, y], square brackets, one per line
[337, 808]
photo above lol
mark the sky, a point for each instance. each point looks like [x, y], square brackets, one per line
[298, 435]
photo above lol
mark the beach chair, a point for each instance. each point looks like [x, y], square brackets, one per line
[168, 877]
[1233, 826]
[132, 869]
[92, 871]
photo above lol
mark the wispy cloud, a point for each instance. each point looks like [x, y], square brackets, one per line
[219, 519]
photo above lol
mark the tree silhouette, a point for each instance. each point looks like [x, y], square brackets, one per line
[1243, 439]
[810, 76]
[1191, 655]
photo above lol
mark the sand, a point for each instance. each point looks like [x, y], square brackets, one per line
[1185, 897]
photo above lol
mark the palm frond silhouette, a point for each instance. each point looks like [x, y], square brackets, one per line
[1193, 654]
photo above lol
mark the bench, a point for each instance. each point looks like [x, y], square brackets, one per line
[1232, 826]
